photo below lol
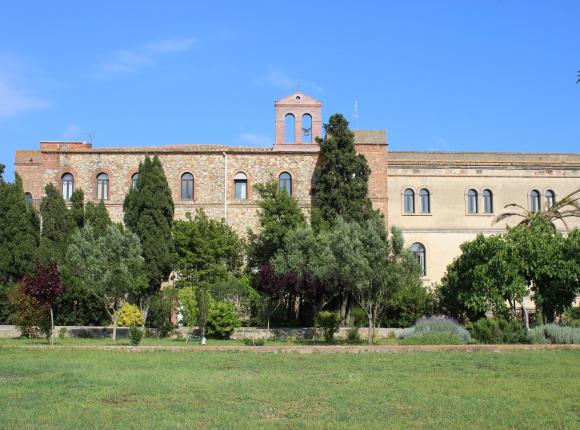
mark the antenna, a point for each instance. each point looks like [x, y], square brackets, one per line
[356, 115]
[90, 137]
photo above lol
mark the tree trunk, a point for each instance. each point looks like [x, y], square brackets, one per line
[371, 329]
[525, 317]
[144, 307]
[343, 309]
[51, 326]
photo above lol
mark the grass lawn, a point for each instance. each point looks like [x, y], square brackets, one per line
[165, 390]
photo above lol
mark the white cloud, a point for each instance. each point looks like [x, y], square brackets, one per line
[255, 139]
[280, 79]
[171, 45]
[127, 61]
[14, 100]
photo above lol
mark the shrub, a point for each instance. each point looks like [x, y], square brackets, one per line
[553, 333]
[571, 317]
[29, 316]
[433, 338]
[492, 330]
[328, 322]
[407, 305]
[352, 335]
[135, 335]
[438, 324]
[130, 316]
[260, 341]
[358, 317]
[160, 310]
[62, 333]
[222, 319]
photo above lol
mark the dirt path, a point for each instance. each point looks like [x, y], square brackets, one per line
[306, 349]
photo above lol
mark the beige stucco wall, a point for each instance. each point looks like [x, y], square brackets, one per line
[448, 177]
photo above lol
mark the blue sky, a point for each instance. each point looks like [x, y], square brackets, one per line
[437, 75]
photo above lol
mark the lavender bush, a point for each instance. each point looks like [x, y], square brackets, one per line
[553, 333]
[436, 324]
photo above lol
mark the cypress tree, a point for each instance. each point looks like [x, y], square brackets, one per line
[57, 225]
[149, 214]
[97, 217]
[279, 214]
[342, 178]
[78, 208]
[19, 233]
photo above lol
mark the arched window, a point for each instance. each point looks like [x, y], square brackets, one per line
[289, 128]
[425, 196]
[306, 128]
[285, 182]
[419, 250]
[28, 199]
[134, 180]
[487, 196]
[472, 202]
[241, 186]
[409, 201]
[102, 186]
[535, 205]
[550, 198]
[68, 186]
[187, 186]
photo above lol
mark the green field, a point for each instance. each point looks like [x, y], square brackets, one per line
[165, 390]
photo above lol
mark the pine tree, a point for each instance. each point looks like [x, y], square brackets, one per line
[97, 217]
[19, 233]
[342, 178]
[57, 225]
[78, 208]
[149, 214]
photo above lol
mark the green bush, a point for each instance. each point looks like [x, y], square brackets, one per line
[433, 338]
[328, 322]
[492, 330]
[222, 319]
[135, 335]
[571, 317]
[358, 317]
[407, 305]
[438, 324]
[260, 341]
[553, 333]
[352, 335]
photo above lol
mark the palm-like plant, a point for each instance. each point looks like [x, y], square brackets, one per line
[567, 207]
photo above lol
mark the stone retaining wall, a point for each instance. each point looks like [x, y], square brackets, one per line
[239, 333]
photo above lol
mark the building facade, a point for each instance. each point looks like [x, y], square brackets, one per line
[438, 199]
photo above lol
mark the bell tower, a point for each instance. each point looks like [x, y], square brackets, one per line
[298, 123]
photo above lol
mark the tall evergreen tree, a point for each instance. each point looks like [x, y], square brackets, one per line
[98, 217]
[19, 233]
[342, 178]
[57, 225]
[279, 214]
[149, 214]
[78, 208]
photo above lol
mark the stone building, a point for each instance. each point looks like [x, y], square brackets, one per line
[438, 199]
